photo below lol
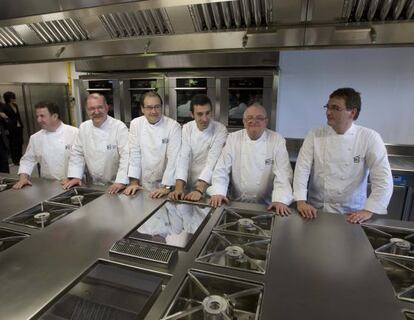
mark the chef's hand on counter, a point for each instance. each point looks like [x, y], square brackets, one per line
[279, 208]
[306, 210]
[23, 181]
[198, 193]
[115, 188]
[133, 187]
[176, 195]
[69, 183]
[358, 216]
[217, 200]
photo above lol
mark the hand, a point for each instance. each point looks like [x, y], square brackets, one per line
[159, 193]
[115, 188]
[64, 181]
[132, 188]
[23, 181]
[358, 216]
[193, 196]
[279, 208]
[176, 195]
[3, 115]
[306, 210]
[216, 200]
[71, 183]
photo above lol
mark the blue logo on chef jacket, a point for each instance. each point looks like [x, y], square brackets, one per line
[165, 140]
[269, 162]
[357, 159]
[111, 147]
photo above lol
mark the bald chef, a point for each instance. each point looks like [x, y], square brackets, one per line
[256, 162]
[201, 145]
[50, 146]
[102, 144]
[155, 142]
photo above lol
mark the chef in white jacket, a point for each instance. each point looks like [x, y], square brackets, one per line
[336, 161]
[102, 144]
[50, 147]
[256, 162]
[155, 142]
[201, 145]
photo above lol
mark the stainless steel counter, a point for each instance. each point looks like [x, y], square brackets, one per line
[321, 269]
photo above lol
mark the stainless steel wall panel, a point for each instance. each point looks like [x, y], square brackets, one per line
[326, 10]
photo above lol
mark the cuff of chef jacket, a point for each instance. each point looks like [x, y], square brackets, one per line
[134, 172]
[375, 207]
[123, 180]
[24, 170]
[217, 190]
[206, 175]
[75, 173]
[300, 195]
[283, 198]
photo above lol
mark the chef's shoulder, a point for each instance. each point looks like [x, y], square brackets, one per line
[70, 129]
[368, 136]
[218, 126]
[86, 125]
[136, 122]
[189, 127]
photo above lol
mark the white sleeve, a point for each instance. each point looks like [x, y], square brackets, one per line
[221, 178]
[183, 162]
[76, 165]
[380, 176]
[123, 149]
[28, 161]
[282, 184]
[303, 169]
[173, 150]
[135, 158]
[219, 140]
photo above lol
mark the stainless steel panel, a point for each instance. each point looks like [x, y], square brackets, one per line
[326, 10]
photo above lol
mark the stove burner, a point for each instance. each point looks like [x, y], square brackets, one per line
[235, 257]
[400, 246]
[216, 307]
[42, 217]
[246, 225]
[77, 199]
[3, 187]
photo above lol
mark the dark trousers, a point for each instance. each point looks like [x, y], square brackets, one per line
[4, 158]
[16, 144]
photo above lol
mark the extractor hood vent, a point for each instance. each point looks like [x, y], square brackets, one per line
[378, 10]
[56, 31]
[9, 38]
[138, 23]
[231, 14]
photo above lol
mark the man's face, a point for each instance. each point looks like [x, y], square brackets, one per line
[97, 110]
[338, 116]
[45, 119]
[255, 121]
[152, 109]
[202, 116]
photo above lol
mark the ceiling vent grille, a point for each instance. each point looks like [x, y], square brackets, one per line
[10, 38]
[56, 31]
[231, 15]
[378, 10]
[138, 23]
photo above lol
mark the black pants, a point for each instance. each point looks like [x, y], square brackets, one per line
[16, 144]
[4, 158]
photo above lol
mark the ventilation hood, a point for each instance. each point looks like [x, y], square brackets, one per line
[51, 30]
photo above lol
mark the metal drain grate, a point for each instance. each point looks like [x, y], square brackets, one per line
[145, 251]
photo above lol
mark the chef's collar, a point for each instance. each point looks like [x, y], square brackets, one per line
[157, 123]
[106, 123]
[350, 131]
[263, 137]
[206, 130]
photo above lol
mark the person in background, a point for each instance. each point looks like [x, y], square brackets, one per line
[256, 163]
[14, 126]
[4, 142]
[201, 145]
[335, 162]
[155, 142]
[50, 146]
[102, 144]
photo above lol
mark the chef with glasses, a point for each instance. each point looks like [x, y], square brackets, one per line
[256, 164]
[334, 163]
[154, 141]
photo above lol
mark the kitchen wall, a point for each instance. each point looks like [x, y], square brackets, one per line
[384, 76]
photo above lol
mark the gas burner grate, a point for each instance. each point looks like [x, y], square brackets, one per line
[246, 222]
[204, 296]
[9, 238]
[77, 196]
[236, 251]
[6, 183]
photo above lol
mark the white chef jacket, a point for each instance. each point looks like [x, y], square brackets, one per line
[260, 169]
[338, 166]
[104, 150]
[154, 151]
[51, 149]
[200, 151]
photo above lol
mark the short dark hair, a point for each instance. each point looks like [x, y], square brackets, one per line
[52, 107]
[8, 96]
[149, 94]
[352, 99]
[199, 100]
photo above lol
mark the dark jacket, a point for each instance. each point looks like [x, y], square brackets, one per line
[14, 118]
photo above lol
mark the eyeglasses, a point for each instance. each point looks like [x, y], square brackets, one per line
[151, 108]
[333, 108]
[258, 118]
